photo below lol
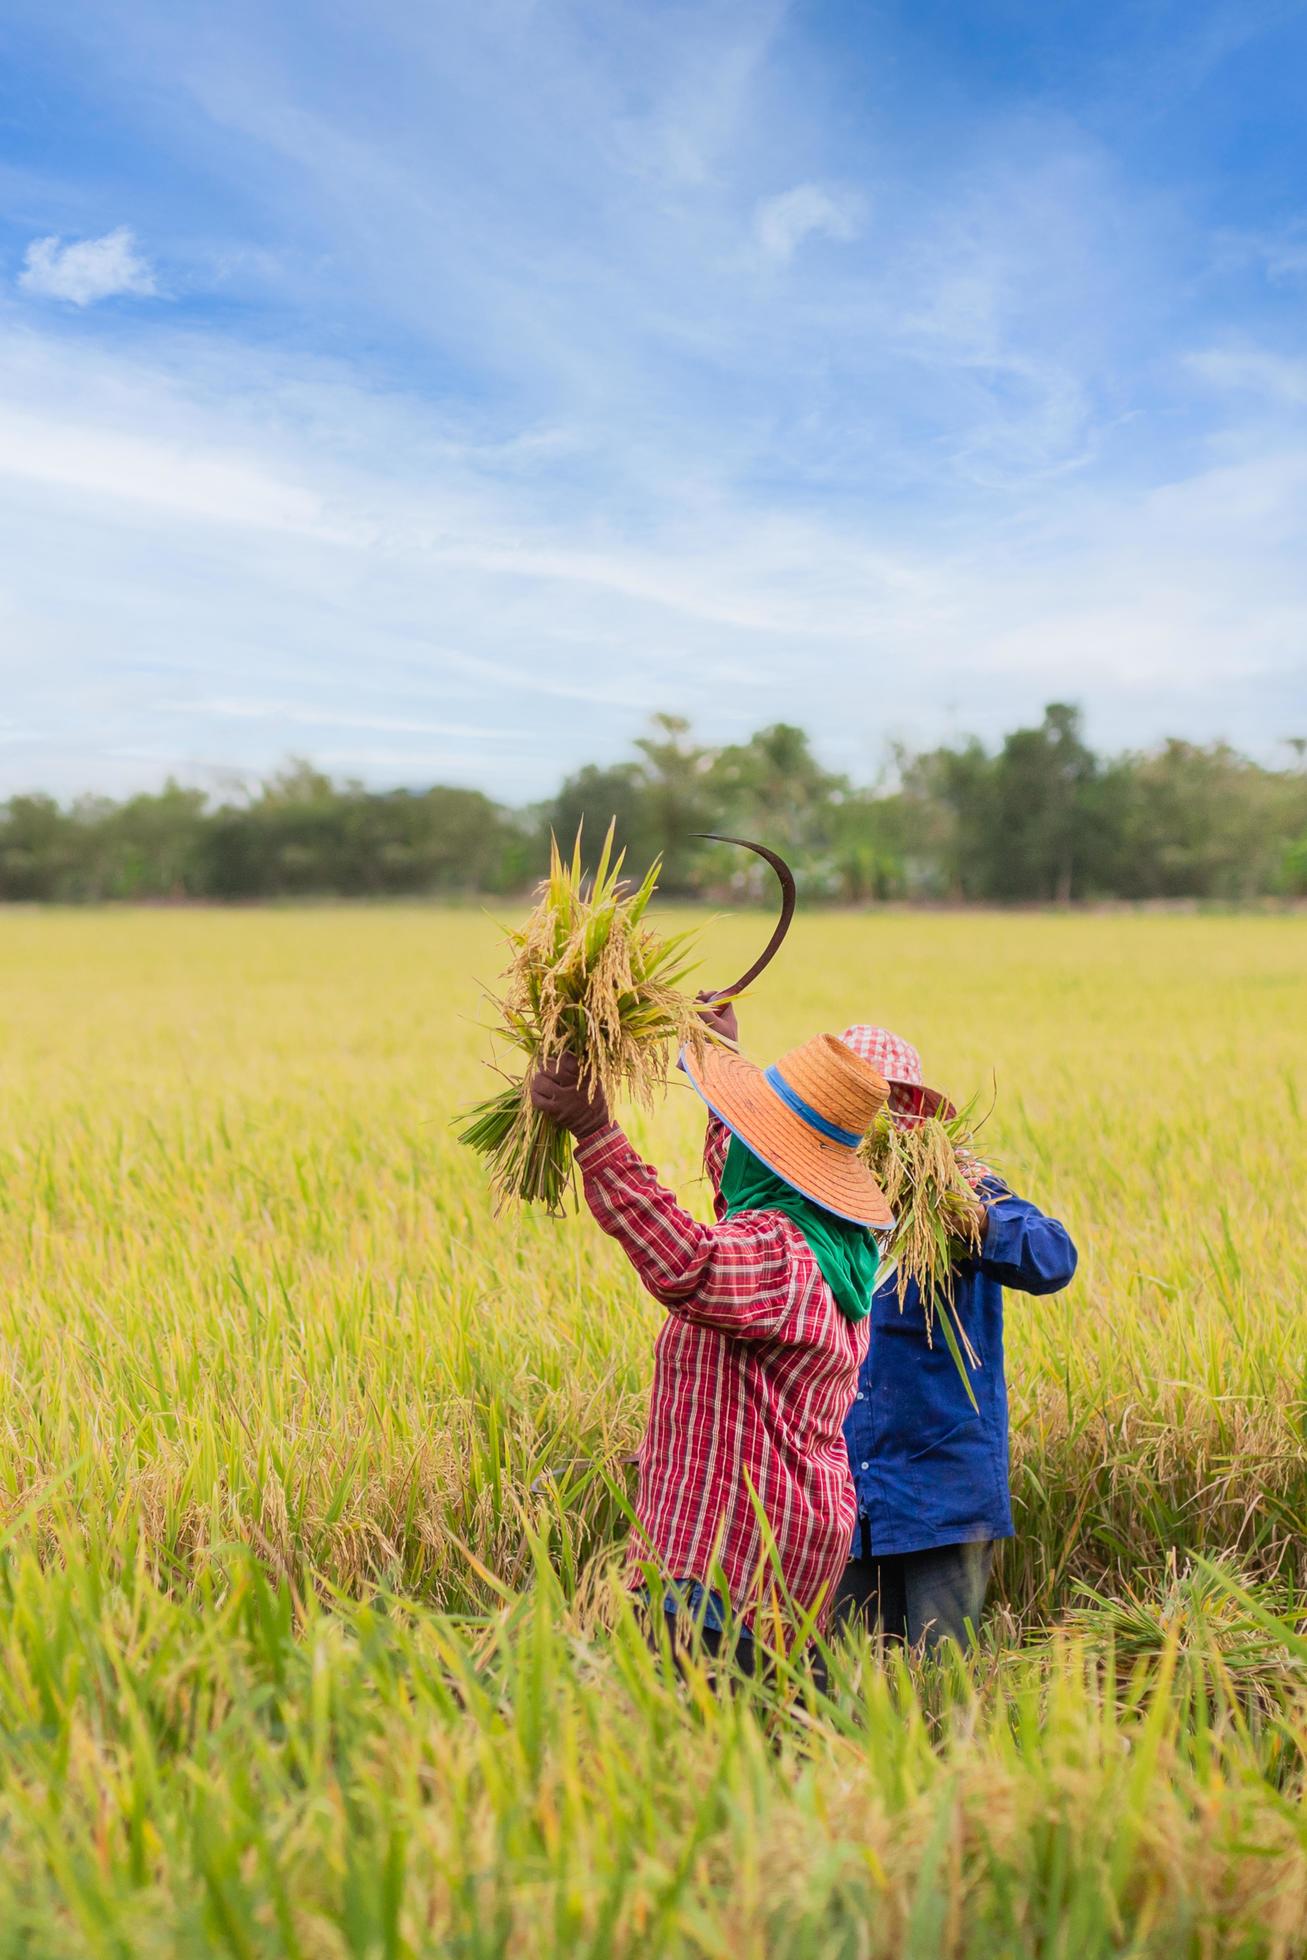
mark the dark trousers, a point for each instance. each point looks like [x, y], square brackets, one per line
[915, 1598]
[711, 1645]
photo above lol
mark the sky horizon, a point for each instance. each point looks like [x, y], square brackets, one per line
[439, 395]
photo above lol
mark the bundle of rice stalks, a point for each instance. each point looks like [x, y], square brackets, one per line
[922, 1167]
[587, 974]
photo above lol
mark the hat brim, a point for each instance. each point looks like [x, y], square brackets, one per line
[915, 1102]
[830, 1174]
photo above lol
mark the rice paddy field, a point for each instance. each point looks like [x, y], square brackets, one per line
[312, 1478]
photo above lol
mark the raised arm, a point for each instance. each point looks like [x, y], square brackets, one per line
[735, 1277]
[721, 1018]
[1023, 1249]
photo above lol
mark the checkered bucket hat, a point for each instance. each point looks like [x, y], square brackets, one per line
[900, 1064]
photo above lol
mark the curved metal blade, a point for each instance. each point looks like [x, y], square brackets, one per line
[786, 876]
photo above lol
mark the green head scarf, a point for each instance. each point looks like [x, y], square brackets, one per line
[847, 1253]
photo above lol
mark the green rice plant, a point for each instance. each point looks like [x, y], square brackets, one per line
[286, 1422]
[587, 976]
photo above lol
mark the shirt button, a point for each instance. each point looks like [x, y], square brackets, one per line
[861, 1396]
[866, 1466]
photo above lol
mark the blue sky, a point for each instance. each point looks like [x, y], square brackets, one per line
[438, 390]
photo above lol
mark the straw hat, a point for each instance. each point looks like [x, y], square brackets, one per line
[804, 1118]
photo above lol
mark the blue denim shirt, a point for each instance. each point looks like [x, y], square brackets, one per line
[929, 1469]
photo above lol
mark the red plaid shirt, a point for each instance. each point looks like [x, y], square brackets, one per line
[755, 1369]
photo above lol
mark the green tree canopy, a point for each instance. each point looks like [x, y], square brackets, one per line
[1040, 819]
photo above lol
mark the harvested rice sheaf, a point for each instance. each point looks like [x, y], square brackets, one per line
[926, 1169]
[588, 975]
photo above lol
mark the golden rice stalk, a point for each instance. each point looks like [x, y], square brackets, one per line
[921, 1167]
[586, 974]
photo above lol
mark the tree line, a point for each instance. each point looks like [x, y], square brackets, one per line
[1038, 819]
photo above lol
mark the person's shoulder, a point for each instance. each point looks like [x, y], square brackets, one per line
[775, 1241]
[772, 1226]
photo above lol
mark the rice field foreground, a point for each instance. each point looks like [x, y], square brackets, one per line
[311, 1473]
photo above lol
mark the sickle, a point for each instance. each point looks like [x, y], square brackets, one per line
[786, 876]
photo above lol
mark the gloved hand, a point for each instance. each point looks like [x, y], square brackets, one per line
[557, 1093]
[718, 1015]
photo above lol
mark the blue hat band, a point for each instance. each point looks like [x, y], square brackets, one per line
[812, 1117]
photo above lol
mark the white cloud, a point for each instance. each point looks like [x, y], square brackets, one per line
[780, 224]
[294, 714]
[1285, 254]
[206, 481]
[1255, 371]
[632, 464]
[87, 270]
[416, 598]
[1281, 254]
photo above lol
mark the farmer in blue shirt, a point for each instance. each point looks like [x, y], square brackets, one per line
[932, 1472]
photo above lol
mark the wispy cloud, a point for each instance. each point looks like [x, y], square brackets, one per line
[1255, 371]
[781, 223]
[1284, 253]
[390, 604]
[559, 361]
[86, 270]
[298, 714]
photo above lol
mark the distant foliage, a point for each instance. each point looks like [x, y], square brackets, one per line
[299, 835]
[1042, 819]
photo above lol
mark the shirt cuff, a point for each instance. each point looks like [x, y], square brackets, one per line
[603, 1151]
[995, 1240]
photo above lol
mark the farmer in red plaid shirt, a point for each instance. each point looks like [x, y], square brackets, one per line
[757, 1362]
